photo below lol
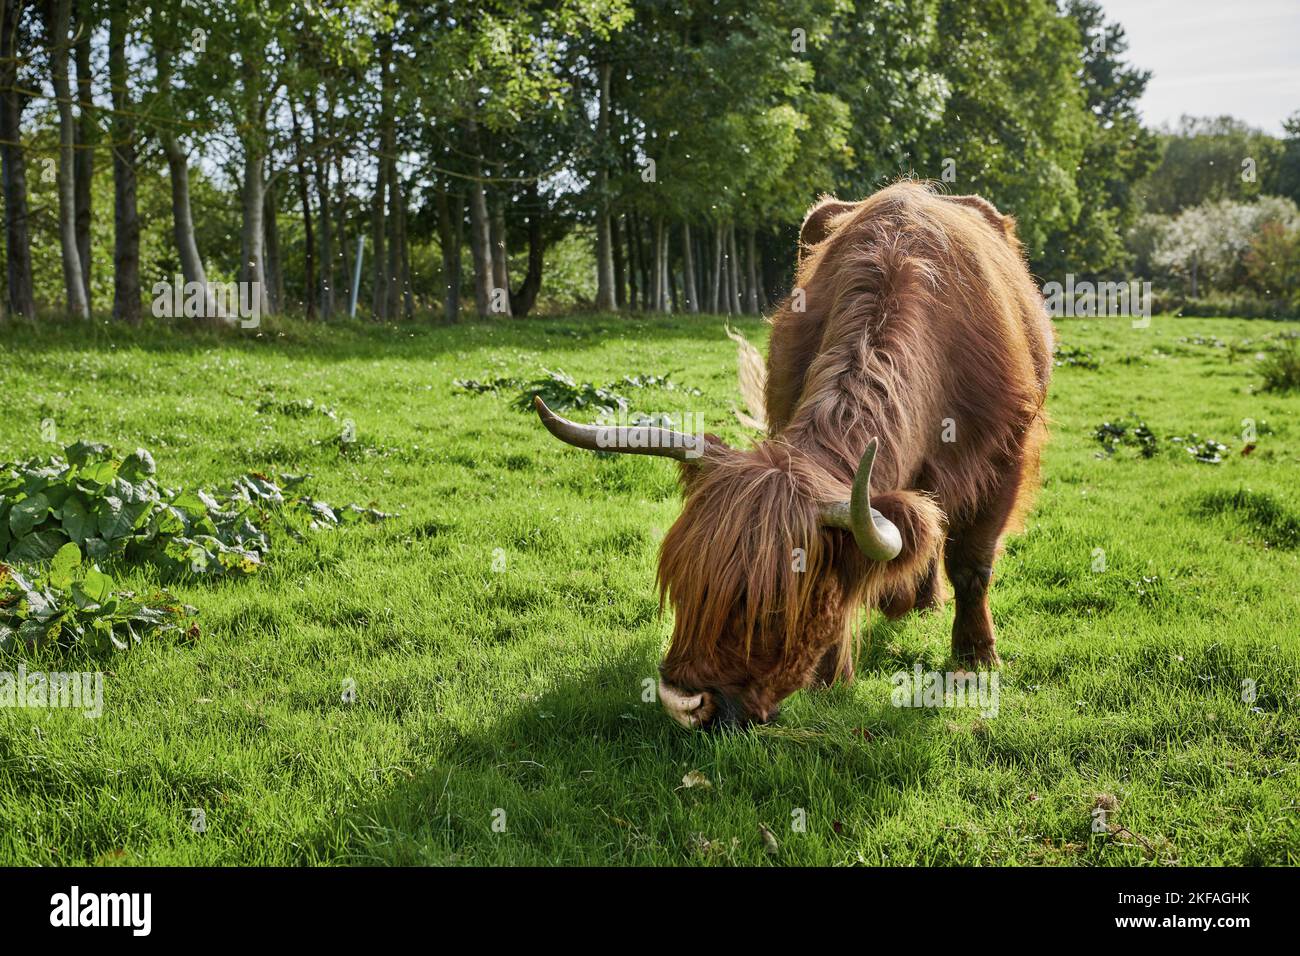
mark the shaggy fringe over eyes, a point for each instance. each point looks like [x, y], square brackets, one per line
[728, 562]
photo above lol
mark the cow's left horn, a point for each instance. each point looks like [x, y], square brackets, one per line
[876, 535]
[631, 439]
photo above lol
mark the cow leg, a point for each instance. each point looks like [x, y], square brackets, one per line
[925, 597]
[969, 557]
[928, 593]
[831, 668]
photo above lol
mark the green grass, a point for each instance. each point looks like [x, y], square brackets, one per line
[521, 689]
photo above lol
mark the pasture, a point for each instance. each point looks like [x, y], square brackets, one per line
[496, 634]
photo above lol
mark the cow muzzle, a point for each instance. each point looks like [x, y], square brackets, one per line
[704, 709]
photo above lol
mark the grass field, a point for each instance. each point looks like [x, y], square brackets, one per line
[499, 629]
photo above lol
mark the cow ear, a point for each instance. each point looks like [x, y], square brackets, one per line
[818, 223]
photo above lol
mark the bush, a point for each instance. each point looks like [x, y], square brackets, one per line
[1240, 306]
[1281, 368]
[1273, 263]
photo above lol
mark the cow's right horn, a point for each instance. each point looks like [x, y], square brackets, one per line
[876, 535]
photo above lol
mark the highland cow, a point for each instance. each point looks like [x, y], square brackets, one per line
[904, 409]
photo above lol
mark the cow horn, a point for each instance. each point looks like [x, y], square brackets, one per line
[632, 439]
[876, 535]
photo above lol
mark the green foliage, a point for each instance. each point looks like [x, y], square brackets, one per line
[749, 111]
[562, 392]
[1273, 262]
[1210, 246]
[1112, 435]
[114, 509]
[75, 604]
[1205, 450]
[1281, 368]
[1074, 356]
[1118, 152]
[1204, 160]
[1012, 69]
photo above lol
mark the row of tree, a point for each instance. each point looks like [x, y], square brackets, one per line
[455, 144]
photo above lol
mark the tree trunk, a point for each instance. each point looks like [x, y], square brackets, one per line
[718, 294]
[500, 262]
[379, 264]
[408, 289]
[321, 163]
[688, 271]
[670, 272]
[393, 288]
[751, 262]
[309, 239]
[450, 217]
[86, 139]
[480, 239]
[620, 270]
[253, 200]
[704, 257]
[341, 209]
[73, 280]
[522, 303]
[182, 217]
[665, 287]
[733, 268]
[18, 250]
[605, 300]
[271, 248]
[632, 299]
[126, 218]
[178, 168]
[382, 271]
[657, 301]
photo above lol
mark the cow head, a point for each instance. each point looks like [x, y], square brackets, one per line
[761, 567]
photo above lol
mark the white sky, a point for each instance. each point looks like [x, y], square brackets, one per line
[1210, 57]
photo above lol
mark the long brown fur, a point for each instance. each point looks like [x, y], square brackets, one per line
[920, 320]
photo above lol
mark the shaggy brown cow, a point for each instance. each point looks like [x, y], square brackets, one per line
[904, 407]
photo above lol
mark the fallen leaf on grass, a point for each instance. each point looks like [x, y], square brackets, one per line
[696, 779]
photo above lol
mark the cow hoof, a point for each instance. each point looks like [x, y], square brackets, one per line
[985, 656]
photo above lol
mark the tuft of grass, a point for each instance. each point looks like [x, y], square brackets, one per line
[1277, 525]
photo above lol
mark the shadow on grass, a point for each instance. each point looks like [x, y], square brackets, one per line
[588, 773]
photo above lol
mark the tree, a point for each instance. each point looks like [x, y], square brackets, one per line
[1284, 176]
[1015, 123]
[126, 217]
[1209, 158]
[86, 136]
[173, 23]
[21, 299]
[1273, 262]
[1206, 245]
[59, 17]
[1118, 152]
